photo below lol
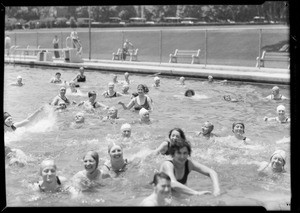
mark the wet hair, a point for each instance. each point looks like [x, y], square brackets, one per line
[143, 87]
[235, 123]
[181, 133]
[91, 93]
[42, 165]
[159, 175]
[177, 145]
[189, 90]
[94, 155]
[58, 73]
[111, 145]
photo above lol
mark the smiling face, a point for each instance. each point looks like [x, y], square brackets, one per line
[62, 91]
[175, 136]
[277, 162]
[9, 121]
[238, 129]
[281, 112]
[112, 112]
[206, 128]
[181, 155]
[140, 91]
[163, 187]
[48, 171]
[116, 152]
[90, 163]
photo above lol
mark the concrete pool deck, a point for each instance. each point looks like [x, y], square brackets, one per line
[233, 73]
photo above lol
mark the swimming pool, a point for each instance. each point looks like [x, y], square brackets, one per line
[51, 136]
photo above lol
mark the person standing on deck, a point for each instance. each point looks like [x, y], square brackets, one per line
[56, 46]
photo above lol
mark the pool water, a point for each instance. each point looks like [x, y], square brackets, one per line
[52, 135]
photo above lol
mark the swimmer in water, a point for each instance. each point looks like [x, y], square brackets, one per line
[139, 102]
[206, 130]
[211, 80]
[156, 82]
[92, 103]
[182, 80]
[161, 190]
[126, 76]
[50, 181]
[189, 93]
[79, 118]
[116, 164]
[238, 128]
[281, 118]
[91, 176]
[16, 157]
[112, 115]
[276, 95]
[61, 98]
[126, 130]
[230, 99]
[80, 77]
[19, 82]
[125, 89]
[175, 134]
[179, 167]
[115, 79]
[275, 165]
[72, 86]
[56, 79]
[144, 116]
[111, 93]
[10, 126]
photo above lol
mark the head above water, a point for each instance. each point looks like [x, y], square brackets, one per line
[5, 116]
[208, 126]
[91, 93]
[177, 145]
[112, 145]
[79, 117]
[236, 123]
[159, 175]
[281, 154]
[189, 93]
[94, 155]
[47, 162]
[126, 130]
[180, 131]
[280, 108]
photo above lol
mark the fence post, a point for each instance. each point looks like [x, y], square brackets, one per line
[160, 47]
[205, 47]
[15, 39]
[37, 39]
[122, 45]
[259, 47]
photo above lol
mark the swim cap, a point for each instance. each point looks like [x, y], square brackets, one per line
[19, 77]
[81, 68]
[189, 90]
[47, 162]
[235, 123]
[181, 78]
[210, 76]
[111, 84]
[126, 73]
[280, 107]
[142, 112]
[281, 153]
[5, 116]
[94, 155]
[126, 126]
[91, 93]
[211, 126]
[156, 78]
[275, 88]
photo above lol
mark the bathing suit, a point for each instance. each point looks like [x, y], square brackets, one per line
[145, 105]
[110, 96]
[66, 100]
[94, 104]
[58, 182]
[120, 170]
[186, 172]
[284, 121]
[80, 78]
[279, 98]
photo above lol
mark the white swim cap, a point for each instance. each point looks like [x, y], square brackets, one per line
[210, 76]
[181, 78]
[126, 126]
[275, 88]
[19, 77]
[280, 107]
[156, 78]
[281, 153]
[143, 111]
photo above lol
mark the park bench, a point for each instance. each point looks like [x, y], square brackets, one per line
[273, 56]
[132, 53]
[192, 54]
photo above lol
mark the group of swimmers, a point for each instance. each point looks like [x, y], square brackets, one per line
[173, 173]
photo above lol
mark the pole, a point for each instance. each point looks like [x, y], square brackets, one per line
[122, 44]
[205, 47]
[259, 47]
[15, 39]
[37, 39]
[90, 42]
[160, 47]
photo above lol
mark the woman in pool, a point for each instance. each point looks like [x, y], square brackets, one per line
[115, 79]
[10, 126]
[189, 93]
[72, 86]
[139, 102]
[80, 77]
[56, 79]
[126, 130]
[179, 167]
[126, 76]
[156, 81]
[125, 89]
[211, 80]
[275, 165]
[90, 177]
[61, 98]
[92, 103]
[19, 82]
[111, 93]
[50, 181]
[116, 164]
[206, 131]
[276, 95]
[112, 115]
[182, 80]
[238, 128]
[281, 118]
[144, 116]
[175, 134]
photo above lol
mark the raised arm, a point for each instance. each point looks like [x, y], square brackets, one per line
[208, 172]
[29, 118]
[168, 168]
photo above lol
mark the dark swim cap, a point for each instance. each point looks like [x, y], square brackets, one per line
[5, 116]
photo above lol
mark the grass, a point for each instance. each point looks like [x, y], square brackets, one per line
[224, 47]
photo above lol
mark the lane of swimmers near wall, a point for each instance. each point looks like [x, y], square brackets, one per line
[72, 58]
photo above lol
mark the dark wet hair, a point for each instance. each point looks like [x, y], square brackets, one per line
[181, 133]
[143, 87]
[235, 123]
[159, 175]
[58, 73]
[177, 145]
[91, 93]
[189, 90]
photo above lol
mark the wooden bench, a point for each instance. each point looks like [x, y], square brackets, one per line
[273, 56]
[132, 53]
[193, 54]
